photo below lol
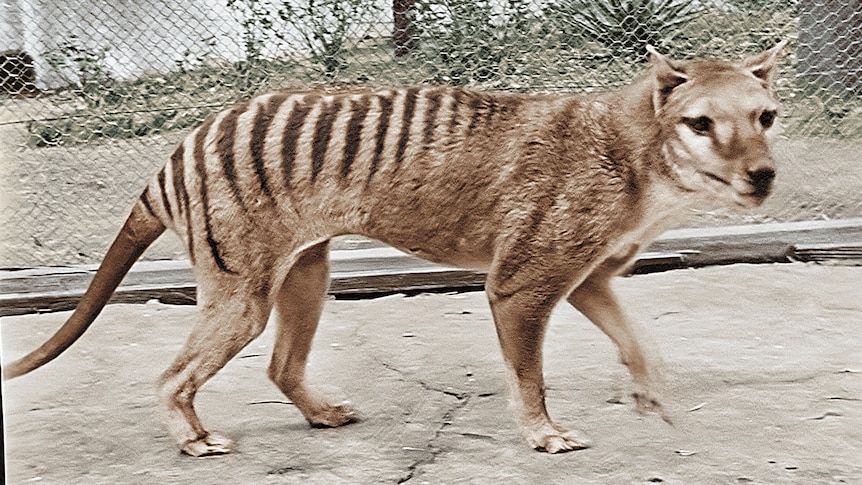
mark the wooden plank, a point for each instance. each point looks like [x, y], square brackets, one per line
[384, 270]
[387, 271]
[845, 253]
[761, 243]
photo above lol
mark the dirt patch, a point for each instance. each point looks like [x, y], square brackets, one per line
[763, 369]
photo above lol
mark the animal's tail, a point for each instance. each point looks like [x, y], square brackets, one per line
[138, 232]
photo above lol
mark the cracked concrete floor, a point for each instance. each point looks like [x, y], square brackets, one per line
[763, 370]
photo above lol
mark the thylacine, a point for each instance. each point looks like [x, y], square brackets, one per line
[551, 195]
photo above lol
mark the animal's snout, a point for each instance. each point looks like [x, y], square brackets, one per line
[761, 180]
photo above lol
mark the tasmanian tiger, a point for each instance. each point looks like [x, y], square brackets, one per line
[551, 195]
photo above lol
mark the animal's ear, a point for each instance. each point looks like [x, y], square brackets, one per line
[762, 65]
[666, 76]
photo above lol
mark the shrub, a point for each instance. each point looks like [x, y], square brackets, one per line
[327, 28]
[472, 42]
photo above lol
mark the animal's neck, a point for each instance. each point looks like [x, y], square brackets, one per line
[634, 116]
[637, 137]
[641, 129]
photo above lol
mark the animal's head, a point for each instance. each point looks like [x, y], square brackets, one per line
[718, 120]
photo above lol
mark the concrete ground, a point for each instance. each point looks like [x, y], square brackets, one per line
[762, 362]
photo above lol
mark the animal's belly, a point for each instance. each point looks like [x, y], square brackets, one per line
[450, 250]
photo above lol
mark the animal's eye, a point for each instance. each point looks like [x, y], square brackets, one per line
[701, 125]
[767, 118]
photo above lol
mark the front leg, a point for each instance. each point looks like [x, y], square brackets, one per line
[595, 299]
[520, 318]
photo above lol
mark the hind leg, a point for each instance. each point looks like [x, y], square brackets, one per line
[229, 320]
[298, 307]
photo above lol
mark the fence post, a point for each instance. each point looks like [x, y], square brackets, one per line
[830, 42]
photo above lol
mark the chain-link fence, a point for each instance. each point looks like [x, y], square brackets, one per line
[97, 94]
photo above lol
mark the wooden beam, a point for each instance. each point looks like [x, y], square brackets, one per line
[373, 271]
[841, 253]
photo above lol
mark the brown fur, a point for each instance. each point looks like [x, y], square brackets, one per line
[551, 195]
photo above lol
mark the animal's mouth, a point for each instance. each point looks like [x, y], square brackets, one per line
[715, 177]
[751, 199]
[752, 196]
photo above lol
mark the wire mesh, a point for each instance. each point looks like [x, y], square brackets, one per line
[95, 95]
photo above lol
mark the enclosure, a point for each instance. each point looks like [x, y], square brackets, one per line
[97, 95]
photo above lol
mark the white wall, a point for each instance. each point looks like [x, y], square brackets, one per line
[143, 35]
[140, 35]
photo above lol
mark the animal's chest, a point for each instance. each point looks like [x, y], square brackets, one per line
[661, 208]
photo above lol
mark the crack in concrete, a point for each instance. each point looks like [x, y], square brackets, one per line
[462, 399]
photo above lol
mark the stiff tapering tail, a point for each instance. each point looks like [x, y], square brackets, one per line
[139, 231]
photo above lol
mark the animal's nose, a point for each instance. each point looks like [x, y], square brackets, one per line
[761, 180]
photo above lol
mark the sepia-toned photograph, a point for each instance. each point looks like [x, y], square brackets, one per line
[431, 241]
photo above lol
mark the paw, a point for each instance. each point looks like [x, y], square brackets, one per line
[333, 415]
[557, 441]
[209, 445]
[645, 402]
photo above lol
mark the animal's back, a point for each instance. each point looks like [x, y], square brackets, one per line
[413, 167]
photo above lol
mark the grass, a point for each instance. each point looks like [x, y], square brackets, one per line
[534, 55]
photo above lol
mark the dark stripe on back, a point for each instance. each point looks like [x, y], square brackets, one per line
[182, 194]
[178, 178]
[457, 99]
[406, 121]
[382, 127]
[145, 199]
[224, 147]
[431, 117]
[492, 109]
[354, 132]
[165, 201]
[290, 137]
[262, 121]
[201, 169]
[322, 135]
[476, 106]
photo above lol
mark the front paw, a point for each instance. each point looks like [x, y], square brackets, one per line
[646, 402]
[553, 439]
[333, 415]
[209, 445]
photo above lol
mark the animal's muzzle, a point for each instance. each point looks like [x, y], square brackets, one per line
[761, 180]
